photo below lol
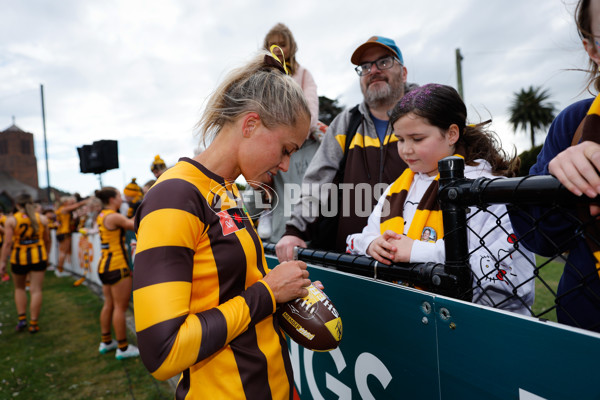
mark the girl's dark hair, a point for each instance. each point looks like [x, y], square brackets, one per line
[442, 106]
[25, 201]
[583, 19]
[105, 194]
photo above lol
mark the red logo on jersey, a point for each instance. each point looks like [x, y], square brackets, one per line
[231, 220]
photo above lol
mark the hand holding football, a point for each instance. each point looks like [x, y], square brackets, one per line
[312, 321]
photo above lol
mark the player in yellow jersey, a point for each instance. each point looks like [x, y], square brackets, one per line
[27, 242]
[114, 272]
[64, 217]
[204, 297]
[5, 277]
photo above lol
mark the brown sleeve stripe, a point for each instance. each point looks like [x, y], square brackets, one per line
[163, 264]
[183, 387]
[255, 299]
[286, 360]
[156, 342]
[214, 332]
[172, 193]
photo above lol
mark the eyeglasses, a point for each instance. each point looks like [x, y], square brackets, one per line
[386, 62]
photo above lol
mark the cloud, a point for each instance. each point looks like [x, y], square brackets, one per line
[139, 71]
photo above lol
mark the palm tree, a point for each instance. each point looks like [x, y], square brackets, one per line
[530, 109]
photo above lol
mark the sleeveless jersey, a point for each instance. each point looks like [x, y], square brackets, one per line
[28, 246]
[112, 245]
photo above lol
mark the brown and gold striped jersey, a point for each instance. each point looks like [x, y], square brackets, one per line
[201, 306]
[28, 245]
[63, 220]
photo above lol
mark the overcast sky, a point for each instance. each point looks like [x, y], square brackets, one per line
[139, 71]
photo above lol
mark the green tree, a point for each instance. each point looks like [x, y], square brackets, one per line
[531, 111]
[528, 158]
[328, 109]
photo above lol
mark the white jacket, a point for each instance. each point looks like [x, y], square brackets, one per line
[491, 284]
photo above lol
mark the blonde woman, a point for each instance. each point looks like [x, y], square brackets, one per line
[204, 297]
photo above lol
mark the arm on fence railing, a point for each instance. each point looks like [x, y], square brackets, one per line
[428, 276]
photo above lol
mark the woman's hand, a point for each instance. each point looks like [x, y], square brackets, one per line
[382, 249]
[288, 281]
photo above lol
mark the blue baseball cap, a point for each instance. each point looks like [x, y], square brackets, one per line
[376, 41]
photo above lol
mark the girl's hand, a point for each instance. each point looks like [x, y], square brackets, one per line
[403, 247]
[381, 249]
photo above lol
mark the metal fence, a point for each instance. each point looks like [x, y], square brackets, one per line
[546, 219]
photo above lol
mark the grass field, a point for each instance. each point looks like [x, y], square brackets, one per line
[62, 360]
[545, 288]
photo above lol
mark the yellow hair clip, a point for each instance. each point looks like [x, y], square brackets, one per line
[281, 62]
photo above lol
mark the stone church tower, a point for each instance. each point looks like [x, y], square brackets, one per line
[17, 158]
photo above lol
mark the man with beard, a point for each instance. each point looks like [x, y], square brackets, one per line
[360, 169]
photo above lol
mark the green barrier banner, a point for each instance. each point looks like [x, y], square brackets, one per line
[401, 343]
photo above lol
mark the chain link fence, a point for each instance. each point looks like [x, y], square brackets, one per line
[495, 264]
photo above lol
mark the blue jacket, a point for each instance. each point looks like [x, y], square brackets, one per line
[578, 292]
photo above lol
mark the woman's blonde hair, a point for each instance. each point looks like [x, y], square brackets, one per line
[286, 33]
[259, 87]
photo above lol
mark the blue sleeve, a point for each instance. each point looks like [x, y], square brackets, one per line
[540, 229]
[560, 135]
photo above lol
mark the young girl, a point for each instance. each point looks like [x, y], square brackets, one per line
[27, 242]
[406, 225]
[114, 273]
[272, 222]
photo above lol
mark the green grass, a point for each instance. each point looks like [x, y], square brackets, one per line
[62, 361]
[545, 288]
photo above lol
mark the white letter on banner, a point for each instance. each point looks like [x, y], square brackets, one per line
[295, 360]
[525, 395]
[367, 364]
[363, 203]
[337, 387]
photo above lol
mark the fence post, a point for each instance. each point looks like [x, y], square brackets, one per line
[452, 172]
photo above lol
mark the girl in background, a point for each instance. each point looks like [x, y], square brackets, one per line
[114, 273]
[27, 242]
[430, 123]
[271, 224]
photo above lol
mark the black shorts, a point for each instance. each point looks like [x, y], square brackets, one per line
[25, 269]
[62, 236]
[112, 277]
